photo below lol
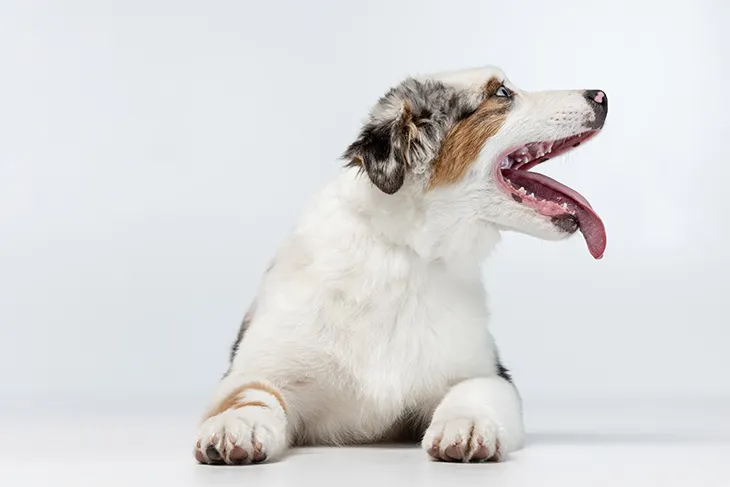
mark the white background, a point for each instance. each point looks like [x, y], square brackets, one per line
[153, 154]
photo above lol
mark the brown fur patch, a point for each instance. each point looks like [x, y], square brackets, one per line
[263, 387]
[235, 400]
[463, 143]
[492, 86]
[226, 403]
[257, 404]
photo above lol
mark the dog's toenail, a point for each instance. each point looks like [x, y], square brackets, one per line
[213, 454]
[199, 456]
[238, 454]
[480, 455]
[453, 453]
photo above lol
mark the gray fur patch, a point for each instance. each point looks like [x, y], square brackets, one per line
[405, 129]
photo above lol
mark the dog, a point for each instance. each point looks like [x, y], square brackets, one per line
[371, 323]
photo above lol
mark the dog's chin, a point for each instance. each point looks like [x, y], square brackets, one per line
[539, 226]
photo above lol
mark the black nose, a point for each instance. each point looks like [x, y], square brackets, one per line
[598, 101]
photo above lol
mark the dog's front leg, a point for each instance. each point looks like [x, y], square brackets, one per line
[247, 423]
[478, 419]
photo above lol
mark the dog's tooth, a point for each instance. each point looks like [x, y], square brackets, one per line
[522, 190]
[532, 195]
[564, 205]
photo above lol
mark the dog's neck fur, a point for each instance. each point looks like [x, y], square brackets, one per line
[429, 224]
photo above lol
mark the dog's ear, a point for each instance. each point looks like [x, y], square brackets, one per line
[402, 134]
[381, 150]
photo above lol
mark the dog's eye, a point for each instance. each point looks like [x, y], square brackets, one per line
[503, 91]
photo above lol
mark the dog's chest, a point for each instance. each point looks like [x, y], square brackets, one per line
[402, 347]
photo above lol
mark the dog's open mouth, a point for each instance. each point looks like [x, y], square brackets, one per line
[568, 209]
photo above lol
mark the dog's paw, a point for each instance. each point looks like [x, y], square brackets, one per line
[463, 439]
[239, 436]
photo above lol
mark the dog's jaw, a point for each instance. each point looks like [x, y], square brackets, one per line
[540, 126]
[567, 209]
[434, 225]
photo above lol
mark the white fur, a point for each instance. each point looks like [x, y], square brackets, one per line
[374, 308]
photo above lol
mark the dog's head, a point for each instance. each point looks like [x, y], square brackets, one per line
[467, 141]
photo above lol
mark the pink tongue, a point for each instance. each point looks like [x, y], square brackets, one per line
[544, 187]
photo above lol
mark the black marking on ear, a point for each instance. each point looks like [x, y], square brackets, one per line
[424, 114]
[376, 142]
[372, 151]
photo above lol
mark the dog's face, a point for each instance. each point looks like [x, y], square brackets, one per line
[466, 141]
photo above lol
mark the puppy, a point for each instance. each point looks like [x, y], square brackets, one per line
[371, 323]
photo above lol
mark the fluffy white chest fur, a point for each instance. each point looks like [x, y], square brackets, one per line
[362, 330]
[371, 323]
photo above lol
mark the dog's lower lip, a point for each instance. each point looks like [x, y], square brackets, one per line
[567, 222]
[547, 196]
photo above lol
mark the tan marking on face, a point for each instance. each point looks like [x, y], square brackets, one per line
[492, 86]
[236, 399]
[462, 144]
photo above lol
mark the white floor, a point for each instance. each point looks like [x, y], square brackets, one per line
[157, 452]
